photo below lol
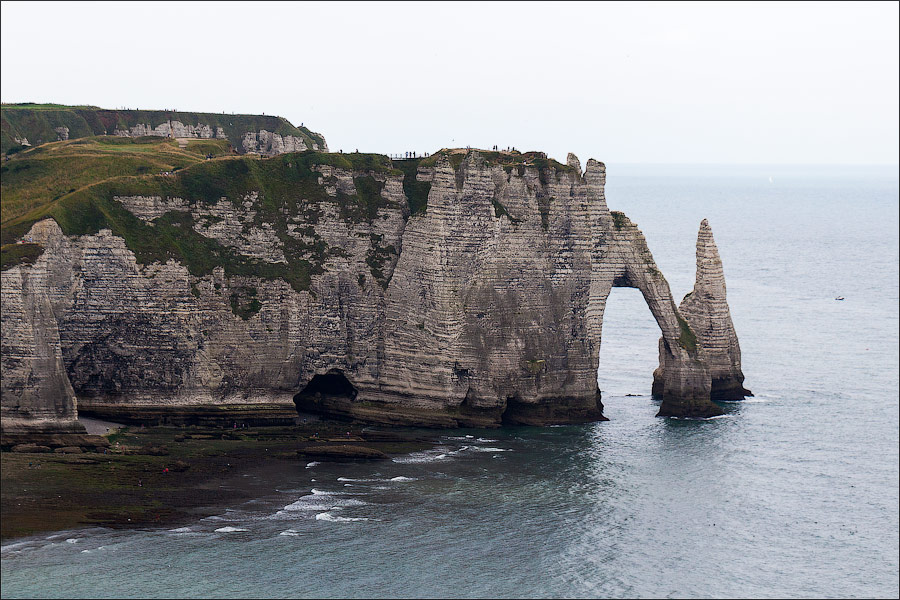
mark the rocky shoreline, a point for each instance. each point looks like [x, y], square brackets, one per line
[169, 476]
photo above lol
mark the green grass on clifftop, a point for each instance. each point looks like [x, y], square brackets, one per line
[38, 123]
[290, 191]
[34, 177]
[509, 160]
[16, 254]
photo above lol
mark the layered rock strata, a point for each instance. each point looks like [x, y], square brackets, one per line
[706, 311]
[263, 142]
[484, 308]
[175, 129]
[268, 143]
[37, 397]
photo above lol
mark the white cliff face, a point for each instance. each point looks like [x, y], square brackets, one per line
[175, 129]
[37, 394]
[486, 309]
[270, 144]
[263, 142]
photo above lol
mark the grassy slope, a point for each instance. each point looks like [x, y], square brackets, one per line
[509, 160]
[288, 185]
[37, 123]
[40, 175]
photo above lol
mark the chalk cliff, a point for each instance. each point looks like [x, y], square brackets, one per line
[467, 288]
[706, 311]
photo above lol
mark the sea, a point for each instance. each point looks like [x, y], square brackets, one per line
[792, 493]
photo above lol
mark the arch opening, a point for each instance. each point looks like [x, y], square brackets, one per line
[629, 348]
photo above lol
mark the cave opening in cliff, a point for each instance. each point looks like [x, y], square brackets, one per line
[325, 388]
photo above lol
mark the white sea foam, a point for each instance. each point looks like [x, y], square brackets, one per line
[420, 457]
[230, 529]
[485, 440]
[320, 502]
[402, 478]
[701, 418]
[489, 449]
[290, 532]
[752, 400]
[312, 464]
[181, 530]
[335, 519]
[72, 541]
[17, 545]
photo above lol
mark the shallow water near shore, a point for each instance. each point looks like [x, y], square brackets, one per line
[792, 493]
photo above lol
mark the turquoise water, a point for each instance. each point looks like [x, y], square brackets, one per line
[794, 493]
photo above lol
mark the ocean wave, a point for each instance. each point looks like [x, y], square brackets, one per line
[402, 478]
[230, 529]
[753, 400]
[290, 532]
[181, 530]
[701, 418]
[420, 457]
[489, 449]
[319, 502]
[485, 440]
[15, 546]
[335, 519]
[312, 464]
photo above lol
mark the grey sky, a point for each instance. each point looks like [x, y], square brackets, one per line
[628, 83]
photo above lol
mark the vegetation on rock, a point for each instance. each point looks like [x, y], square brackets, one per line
[76, 182]
[38, 123]
[16, 254]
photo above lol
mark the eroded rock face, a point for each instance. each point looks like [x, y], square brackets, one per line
[175, 129]
[36, 393]
[268, 143]
[706, 310]
[262, 142]
[486, 309]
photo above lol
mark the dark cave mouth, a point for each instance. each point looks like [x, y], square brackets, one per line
[328, 385]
